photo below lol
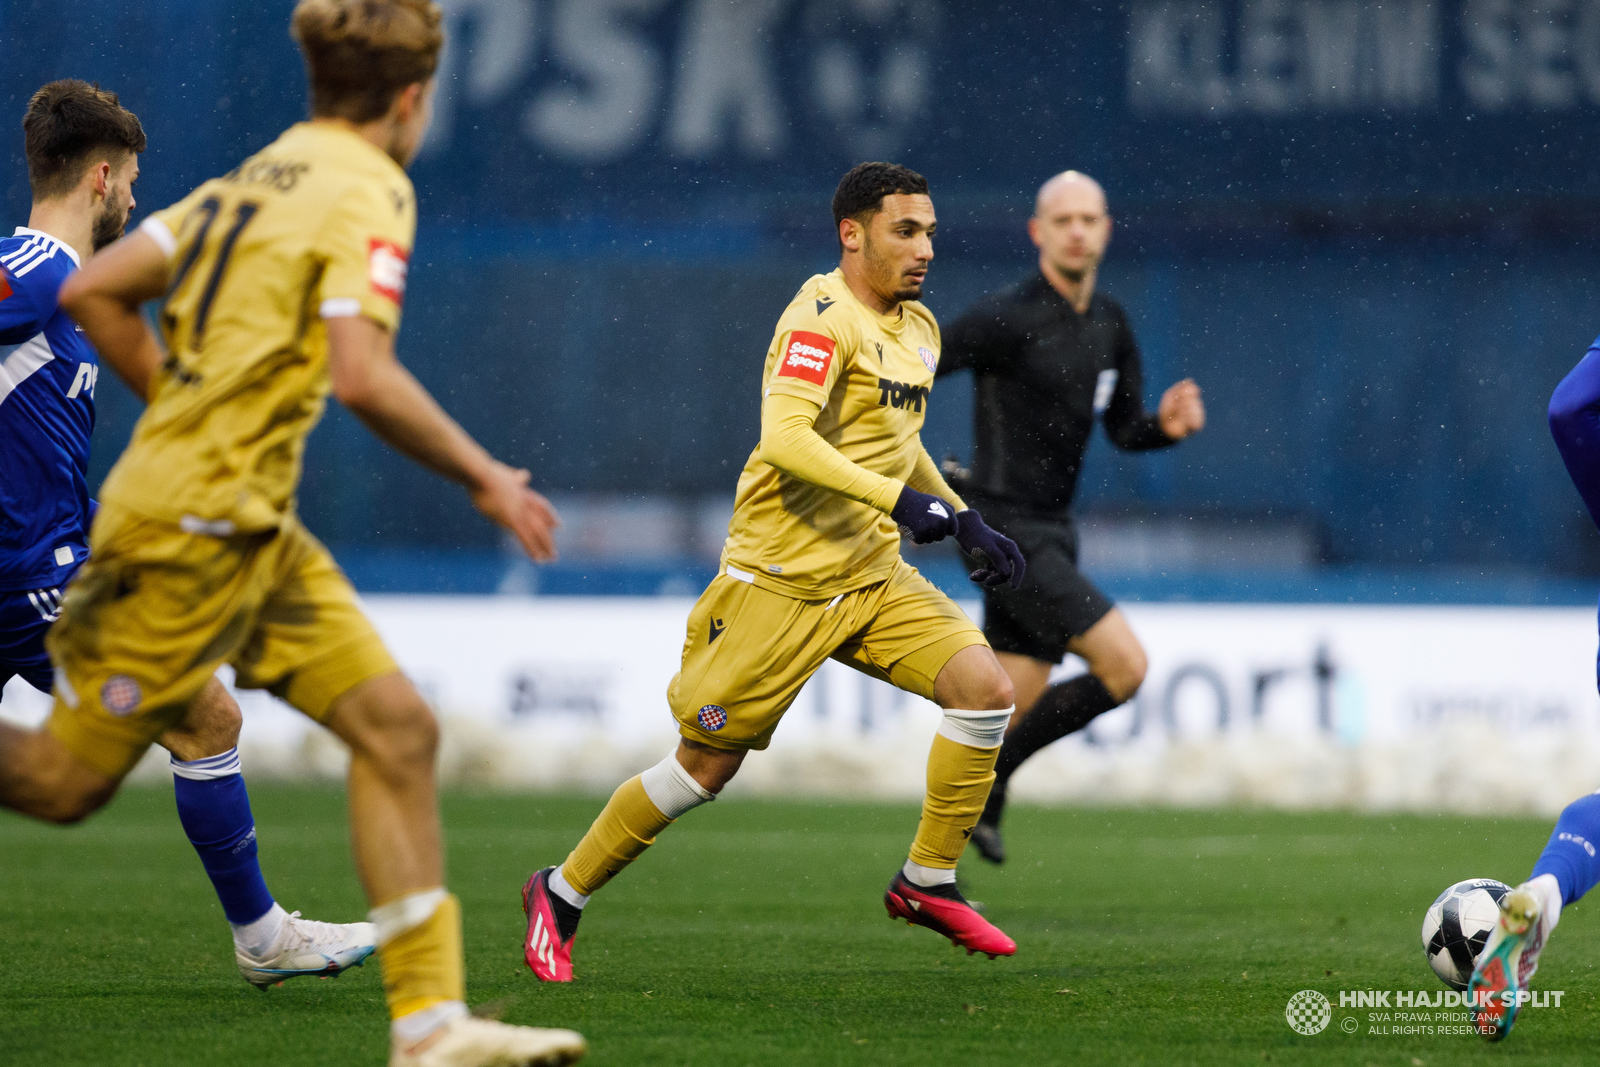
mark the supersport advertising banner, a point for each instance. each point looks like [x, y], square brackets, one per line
[1417, 708]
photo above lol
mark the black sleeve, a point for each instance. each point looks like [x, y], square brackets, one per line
[1127, 423]
[975, 341]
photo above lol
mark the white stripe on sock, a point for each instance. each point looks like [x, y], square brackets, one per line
[419, 1024]
[406, 913]
[210, 767]
[673, 789]
[976, 729]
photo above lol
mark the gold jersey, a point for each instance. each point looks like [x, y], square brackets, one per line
[871, 374]
[318, 224]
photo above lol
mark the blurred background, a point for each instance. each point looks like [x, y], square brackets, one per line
[1367, 230]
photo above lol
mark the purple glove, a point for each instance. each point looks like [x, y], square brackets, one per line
[999, 555]
[926, 518]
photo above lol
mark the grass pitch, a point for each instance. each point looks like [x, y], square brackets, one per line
[753, 934]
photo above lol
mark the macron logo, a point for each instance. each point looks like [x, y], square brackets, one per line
[807, 356]
[937, 508]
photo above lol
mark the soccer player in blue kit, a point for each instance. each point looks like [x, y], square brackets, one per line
[83, 150]
[1568, 867]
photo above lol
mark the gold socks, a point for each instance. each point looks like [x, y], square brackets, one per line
[419, 944]
[628, 825]
[959, 777]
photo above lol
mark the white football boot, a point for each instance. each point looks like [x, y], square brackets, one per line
[307, 947]
[1511, 955]
[472, 1042]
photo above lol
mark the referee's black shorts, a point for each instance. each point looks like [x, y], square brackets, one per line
[1056, 603]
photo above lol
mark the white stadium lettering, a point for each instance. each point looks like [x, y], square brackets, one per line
[595, 84]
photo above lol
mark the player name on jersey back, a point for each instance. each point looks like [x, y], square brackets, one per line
[317, 225]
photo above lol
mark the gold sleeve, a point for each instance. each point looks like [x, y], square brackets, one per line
[365, 248]
[790, 442]
[927, 478]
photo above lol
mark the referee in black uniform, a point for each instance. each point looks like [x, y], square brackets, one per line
[1049, 356]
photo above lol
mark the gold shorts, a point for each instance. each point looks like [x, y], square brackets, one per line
[749, 650]
[155, 611]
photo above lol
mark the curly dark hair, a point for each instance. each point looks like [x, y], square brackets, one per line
[67, 122]
[862, 189]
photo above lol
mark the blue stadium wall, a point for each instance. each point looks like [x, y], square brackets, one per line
[1367, 229]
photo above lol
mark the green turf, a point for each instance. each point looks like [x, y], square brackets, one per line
[753, 934]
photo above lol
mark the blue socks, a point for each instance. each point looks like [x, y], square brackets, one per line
[1570, 857]
[215, 811]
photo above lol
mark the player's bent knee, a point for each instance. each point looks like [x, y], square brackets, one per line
[991, 689]
[209, 728]
[1123, 678]
[974, 679]
[710, 768]
[47, 782]
[74, 806]
[386, 720]
[411, 734]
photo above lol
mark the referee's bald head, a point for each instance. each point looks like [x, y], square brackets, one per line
[1069, 184]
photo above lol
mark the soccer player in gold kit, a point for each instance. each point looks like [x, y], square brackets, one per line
[280, 282]
[812, 569]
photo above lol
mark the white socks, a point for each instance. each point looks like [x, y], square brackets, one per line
[409, 1029]
[562, 888]
[673, 789]
[975, 729]
[256, 937]
[928, 877]
[1549, 891]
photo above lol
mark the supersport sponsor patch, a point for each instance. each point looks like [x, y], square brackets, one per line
[807, 356]
[930, 359]
[386, 268]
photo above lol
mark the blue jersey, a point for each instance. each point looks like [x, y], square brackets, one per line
[47, 377]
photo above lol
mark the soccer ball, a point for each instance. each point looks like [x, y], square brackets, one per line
[1457, 925]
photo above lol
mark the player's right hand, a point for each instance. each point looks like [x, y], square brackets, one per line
[999, 557]
[926, 518]
[504, 498]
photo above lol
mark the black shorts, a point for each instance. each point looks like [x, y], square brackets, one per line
[1056, 602]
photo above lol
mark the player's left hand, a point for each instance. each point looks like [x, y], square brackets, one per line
[504, 498]
[1182, 412]
[1000, 556]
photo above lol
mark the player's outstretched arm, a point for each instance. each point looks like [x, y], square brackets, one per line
[377, 388]
[1575, 425]
[790, 442]
[105, 296]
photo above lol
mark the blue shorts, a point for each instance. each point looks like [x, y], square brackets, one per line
[25, 617]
